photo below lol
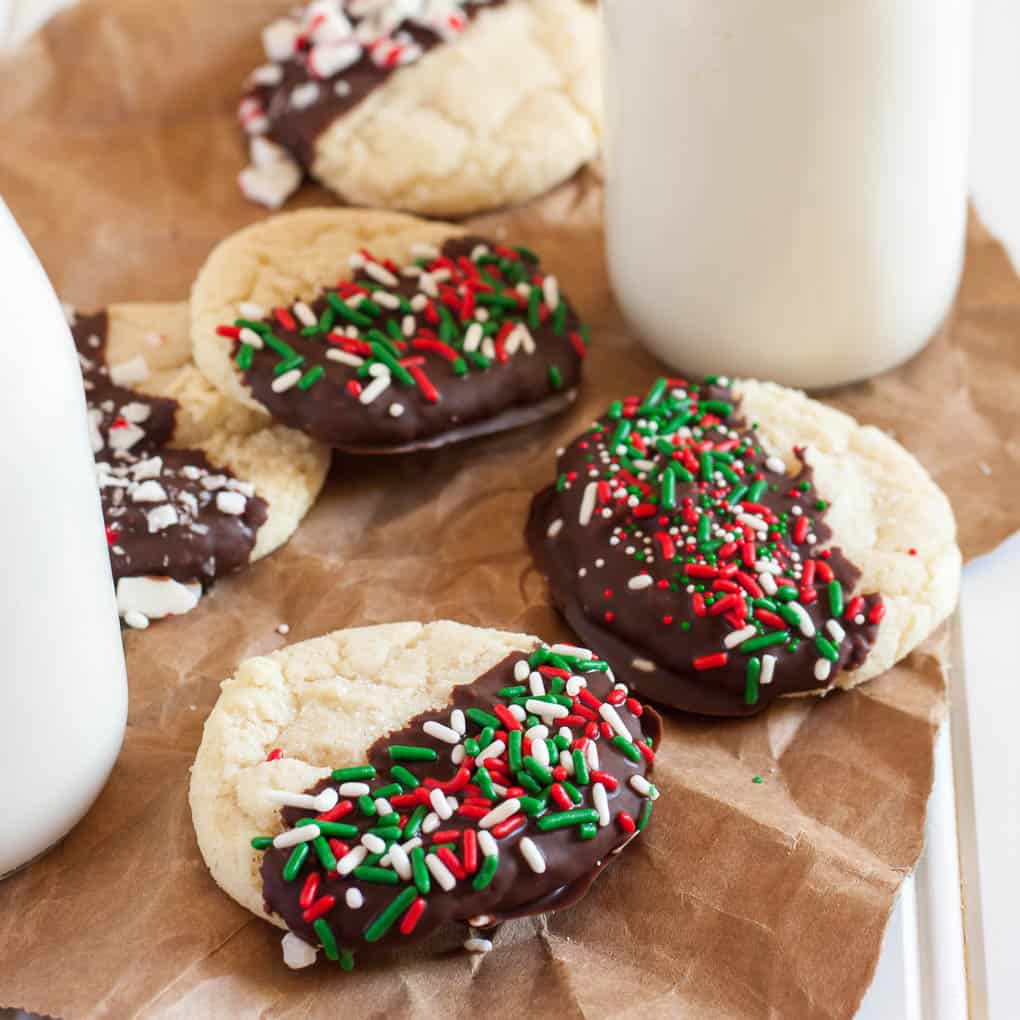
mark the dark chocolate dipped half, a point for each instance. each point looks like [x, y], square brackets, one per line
[326, 58]
[467, 339]
[507, 802]
[169, 513]
[690, 557]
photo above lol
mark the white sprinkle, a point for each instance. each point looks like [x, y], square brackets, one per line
[477, 945]
[611, 716]
[527, 339]
[984, 468]
[441, 732]
[776, 465]
[430, 823]
[768, 667]
[807, 627]
[643, 665]
[130, 372]
[573, 650]
[148, 492]
[408, 325]
[400, 861]
[374, 388]
[458, 754]
[283, 628]
[300, 834]
[532, 855]
[351, 860]
[521, 670]
[640, 581]
[230, 502]
[382, 806]
[601, 801]
[267, 74]
[304, 314]
[587, 504]
[836, 632]
[297, 954]
[284, 382]
[537, 732]
[487, 844]
[458, 722]
[536, 683]
[478, 251]
[386, 299]
[353, 789]
[822, 669]
[554, 528]
[381, 274]
[551, 292]
[768, 583]
[396, 410]
[500, 813]
[517, 711]
[135, 619]
[591, 753]
[344, 357]
[753, 521]
[373, 843]
[440, 872]
[573, 688]
[473, 337]
[161, 517]
[547, 709]
[738, 637]
[427, 283]
[494, 750]
[438, 801]
[304, 95]
[421, 250]
[354, 898]
[250, 310]
[566, 761]
[641, 785]
[540, 752]
[137, 413]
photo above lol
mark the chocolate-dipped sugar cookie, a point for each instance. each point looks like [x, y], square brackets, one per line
[431, 106]
[377, 332]
[378, 784]
[193, 485]
[726, 543]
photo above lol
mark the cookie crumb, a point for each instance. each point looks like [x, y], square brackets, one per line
[984, 468]
[477, 945]
[135, 619]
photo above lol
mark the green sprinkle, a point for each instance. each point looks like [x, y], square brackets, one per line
[737, 495]
[377, 876]
[555, 377]
[262, 842]
[274, 344]
[288, 364]
[645, 815]
[789, 614]
[486, 737]
[756, 490]
[366, 804]
[513, 692]
[348, 314]
[706, 466]
[572, 791]
[588, 830]
[654, 396]
[471, 746]
[581, 768]
[835, 591]
[826, 648]
[719, 407]
[480, 718]
[346, 960]
[483, 780]
[626, 747]
[326, 939]
[525, 253]
[342, 830]
[389, 790]
[532, 805]
[245, 356]
[387, 832]
[616, 410]
[667, 492]
[751, 674]
[404, 752]
[767, 640]
[325, 853]
[356, 774]
[479, 360]
[529, 784]
[297, 858]
[560, 319]
[311, 377]
[516, 738]
[486, 873]
[382, 352]
[382, 924]
[460, 367]
[534, 300]
[538, 770]
[786, 593]
[261, 328]
[414, 822]
[406, 779]
[704, 529]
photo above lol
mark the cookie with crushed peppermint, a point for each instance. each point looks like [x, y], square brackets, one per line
[378, 785]
[724, 543]
[436, 107]
[377, 332]
[192, 485]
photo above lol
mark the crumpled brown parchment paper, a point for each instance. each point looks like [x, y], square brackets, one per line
[742, 900]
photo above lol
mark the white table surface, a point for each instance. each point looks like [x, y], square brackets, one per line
[990, 826]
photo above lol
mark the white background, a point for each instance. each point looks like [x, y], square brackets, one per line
[991, 602]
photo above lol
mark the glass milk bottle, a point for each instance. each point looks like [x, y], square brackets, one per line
[787, 180]
[63, 687]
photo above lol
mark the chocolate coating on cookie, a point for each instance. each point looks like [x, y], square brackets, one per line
[700, 568]
[168, 512]
[291, 102]
[467, 339]
[545, 857]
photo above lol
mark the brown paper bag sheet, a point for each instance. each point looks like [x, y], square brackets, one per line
[742, 900]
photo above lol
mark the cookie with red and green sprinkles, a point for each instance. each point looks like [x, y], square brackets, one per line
[377, 785]
[724, 543]
[376, 332]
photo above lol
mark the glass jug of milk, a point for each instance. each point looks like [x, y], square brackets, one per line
[63, 686]
[786, 180]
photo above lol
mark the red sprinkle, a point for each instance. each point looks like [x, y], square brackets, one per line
[321, 906]
[507, 826]
[450, 859]
[345, 807]
[285, 319]
[309, 890]
[469, 851]
[412, 916]
[800, 529]
[877, 613]
[608, 781]
[626, 822]
[716, 661]
[275, 754]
